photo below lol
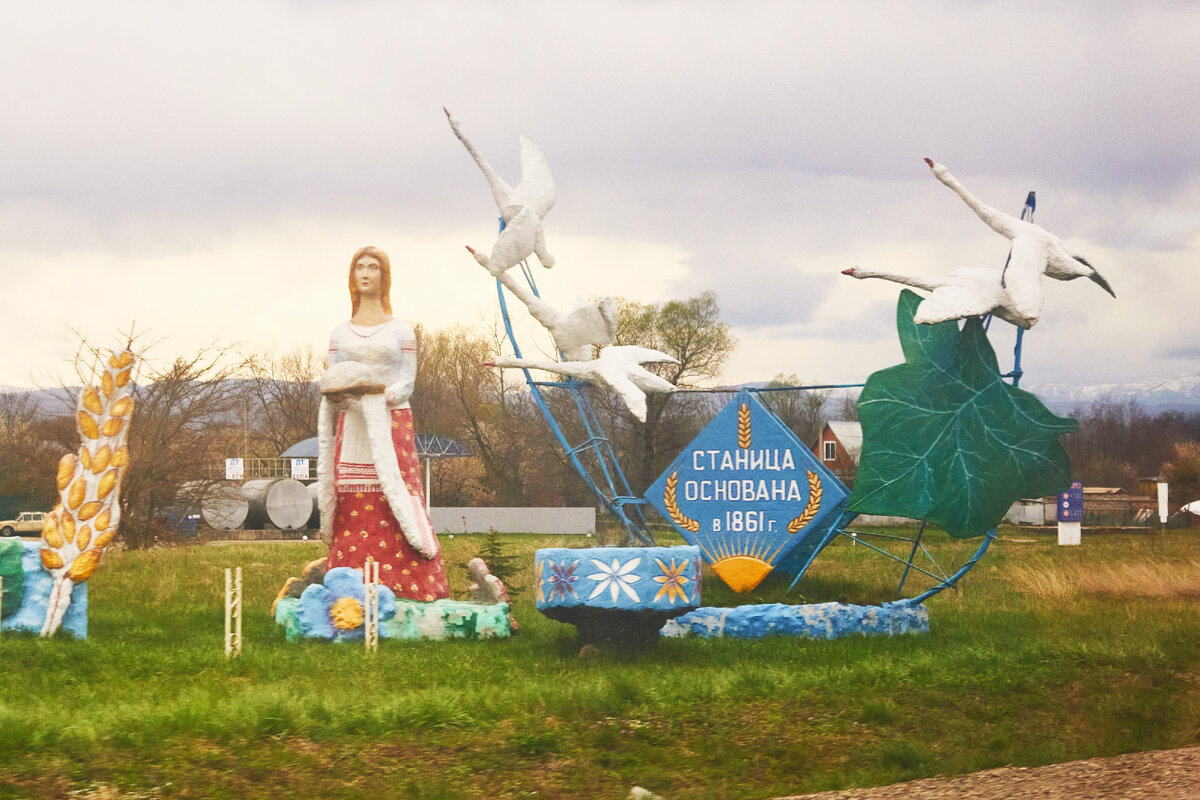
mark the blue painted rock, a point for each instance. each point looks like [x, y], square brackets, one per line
[815, 621]
[618, 595]
[334, 609]
[31, 616]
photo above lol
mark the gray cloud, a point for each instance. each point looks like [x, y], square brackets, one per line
[772, 143]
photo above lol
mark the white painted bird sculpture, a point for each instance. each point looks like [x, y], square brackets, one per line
[619, 367]
[966, 292]
[522, 208]
[576, 331]
[1013, 294]
[1035, 252]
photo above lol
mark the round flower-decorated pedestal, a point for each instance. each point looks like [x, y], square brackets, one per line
[617, 595]
[333, 609]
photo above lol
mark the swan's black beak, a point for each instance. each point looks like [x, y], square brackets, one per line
[1098, 278]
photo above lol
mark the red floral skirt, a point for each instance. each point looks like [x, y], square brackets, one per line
[364, 526]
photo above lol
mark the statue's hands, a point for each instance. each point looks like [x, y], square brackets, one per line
[394, 396]
[337, 398]
[348, 379]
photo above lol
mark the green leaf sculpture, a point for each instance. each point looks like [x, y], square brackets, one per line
[12, 573]
[945, 439]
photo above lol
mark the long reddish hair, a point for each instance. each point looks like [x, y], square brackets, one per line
[385, 278]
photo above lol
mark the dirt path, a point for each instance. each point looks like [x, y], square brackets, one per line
[1160, 774]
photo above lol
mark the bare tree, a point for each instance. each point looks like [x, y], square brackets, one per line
[802, 410]
[285, 399]
[184, 419]
[849, 407]
[1118, 442]
[692, 332]
[457, 396]
[1182, 473]
[30, 446]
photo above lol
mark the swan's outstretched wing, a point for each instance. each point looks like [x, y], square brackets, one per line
[537, 189]
[633, 397]
[956, 301]
[647, 381]
[635, 354]
[1023, 277]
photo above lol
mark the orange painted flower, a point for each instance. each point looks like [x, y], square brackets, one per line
[672, 580]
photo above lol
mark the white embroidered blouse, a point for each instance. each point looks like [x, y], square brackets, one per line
[390, 348]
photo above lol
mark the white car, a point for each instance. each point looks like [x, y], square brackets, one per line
[26, 522]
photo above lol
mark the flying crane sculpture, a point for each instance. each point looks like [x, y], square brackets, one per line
[965, 292]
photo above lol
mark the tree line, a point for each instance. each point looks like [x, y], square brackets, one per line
[195, 411]
[1120, 444]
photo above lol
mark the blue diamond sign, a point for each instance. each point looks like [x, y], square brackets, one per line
[750, 495]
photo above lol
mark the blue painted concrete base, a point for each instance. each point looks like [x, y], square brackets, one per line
[819, 621]
[618, 596]
[31, 616]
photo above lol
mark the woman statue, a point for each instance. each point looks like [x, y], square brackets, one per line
[371, 501]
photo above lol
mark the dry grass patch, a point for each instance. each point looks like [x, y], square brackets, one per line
[1140, 578]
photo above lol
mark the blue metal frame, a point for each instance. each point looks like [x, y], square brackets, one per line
[1017, 372]
[606, 479]
[618, 498]
[943, 581]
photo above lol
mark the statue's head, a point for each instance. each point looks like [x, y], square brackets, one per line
[385, 277]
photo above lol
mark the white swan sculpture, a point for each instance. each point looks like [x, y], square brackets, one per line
[574, 332]
[966, 292]
[522, 208]
[1035, 252]
[618, 367]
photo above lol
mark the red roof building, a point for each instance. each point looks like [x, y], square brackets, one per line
[838, 447]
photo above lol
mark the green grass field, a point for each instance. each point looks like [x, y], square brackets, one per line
[1045, 654]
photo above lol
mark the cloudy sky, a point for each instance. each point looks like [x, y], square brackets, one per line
[204, 170]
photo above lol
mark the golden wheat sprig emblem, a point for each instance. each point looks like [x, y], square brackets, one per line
[744, 426]
[812, 507]
[86, 518]
[677, 516]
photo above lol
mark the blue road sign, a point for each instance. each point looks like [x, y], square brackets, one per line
[1070, 503]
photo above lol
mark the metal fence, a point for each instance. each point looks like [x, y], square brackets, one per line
[256, 468]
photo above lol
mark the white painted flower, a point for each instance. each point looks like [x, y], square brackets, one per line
[616, 578]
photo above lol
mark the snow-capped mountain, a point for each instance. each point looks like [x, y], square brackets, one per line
[1181, 393]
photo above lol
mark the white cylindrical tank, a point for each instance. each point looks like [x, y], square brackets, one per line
[224, 506]
[283, 502]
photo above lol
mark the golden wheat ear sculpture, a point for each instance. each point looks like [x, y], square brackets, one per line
[85, 520]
